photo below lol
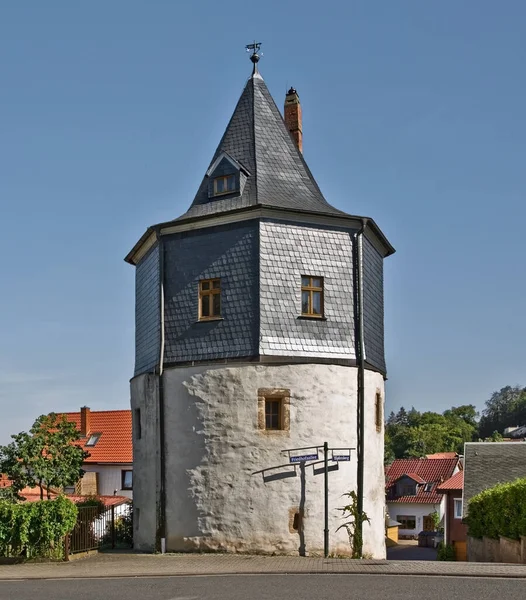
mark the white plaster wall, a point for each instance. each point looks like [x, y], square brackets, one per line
[110, 478]
[144, 391]
[417, 510]
[374, 475]
[214, 502]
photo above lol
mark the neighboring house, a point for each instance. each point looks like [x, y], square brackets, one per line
[516, 433]
[107, 436]
[412, 494]
[455, 531]
[489, 463]
[258, 311]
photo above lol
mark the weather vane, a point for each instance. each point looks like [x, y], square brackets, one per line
[254, 57]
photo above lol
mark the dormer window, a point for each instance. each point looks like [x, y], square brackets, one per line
[225, 184]
[226, 176]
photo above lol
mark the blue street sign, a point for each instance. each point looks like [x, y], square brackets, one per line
[303, 458]
[341, 457]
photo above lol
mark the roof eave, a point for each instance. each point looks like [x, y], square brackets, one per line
[131, 257]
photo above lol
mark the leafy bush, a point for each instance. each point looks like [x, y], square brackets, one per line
[446, 552]
[499, 511]
[35, 529]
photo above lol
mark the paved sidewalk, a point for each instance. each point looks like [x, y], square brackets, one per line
[143, 565]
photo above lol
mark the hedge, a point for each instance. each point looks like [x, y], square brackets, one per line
[35, 529]
[499, 511]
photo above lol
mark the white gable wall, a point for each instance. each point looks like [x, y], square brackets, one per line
[410, 509]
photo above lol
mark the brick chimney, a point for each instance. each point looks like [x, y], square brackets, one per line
[85, 421]
[293, 117]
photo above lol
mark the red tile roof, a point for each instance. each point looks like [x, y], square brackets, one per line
[454, 483]
[115, 442]
[34, 496]
[415, 477]
[430, 470]
[4, 481]
[442, 455]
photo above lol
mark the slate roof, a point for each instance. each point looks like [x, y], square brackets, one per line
[454, 483]
[257, 138]
[429, 470]
[489, 463]
[115, 442]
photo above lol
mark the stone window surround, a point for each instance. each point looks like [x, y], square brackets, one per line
[274, 394]
[378, 410]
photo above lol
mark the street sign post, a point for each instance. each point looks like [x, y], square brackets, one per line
[308, 454]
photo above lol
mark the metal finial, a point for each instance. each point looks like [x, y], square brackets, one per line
[254, 57]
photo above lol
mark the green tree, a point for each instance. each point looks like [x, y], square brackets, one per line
[414, 434]
[47, 456]
[505, 408]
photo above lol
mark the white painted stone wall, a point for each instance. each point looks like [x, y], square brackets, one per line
[414, 510]
[110, 478]
[144, 391]
[214, 502]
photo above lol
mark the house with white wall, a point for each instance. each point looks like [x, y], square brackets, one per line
[412, 494]
[107, 436]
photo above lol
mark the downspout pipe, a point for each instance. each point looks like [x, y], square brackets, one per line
[161, 529]
[360, 350]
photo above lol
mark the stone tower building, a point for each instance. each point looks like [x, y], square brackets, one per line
[259, 327]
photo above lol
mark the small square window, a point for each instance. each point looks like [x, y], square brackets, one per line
[127, 480]
[458, 508]
[226, 184]
[273, 409]
[311, 296]
[428, 487]
[93, 439]
[209, 299]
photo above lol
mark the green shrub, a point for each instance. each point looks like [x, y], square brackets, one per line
[499, 511]
[445, 552]
[35, 529]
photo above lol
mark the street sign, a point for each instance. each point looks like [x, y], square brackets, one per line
[303, 458]
[341, 457]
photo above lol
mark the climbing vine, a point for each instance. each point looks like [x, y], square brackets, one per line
[354, 518]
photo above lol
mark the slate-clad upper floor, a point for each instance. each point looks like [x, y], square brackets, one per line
[289, 251]
[373, 305]
[228, 253]
[259, 267]
[147, 312]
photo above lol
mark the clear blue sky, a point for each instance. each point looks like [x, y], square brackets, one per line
[414, 114]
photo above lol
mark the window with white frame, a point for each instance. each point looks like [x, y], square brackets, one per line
[458, 508]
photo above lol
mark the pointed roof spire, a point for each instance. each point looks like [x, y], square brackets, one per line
[258, 139]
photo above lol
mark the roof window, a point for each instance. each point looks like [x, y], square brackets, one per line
[93, 439]
[428, 487]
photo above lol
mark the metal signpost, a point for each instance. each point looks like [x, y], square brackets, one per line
[338, 455]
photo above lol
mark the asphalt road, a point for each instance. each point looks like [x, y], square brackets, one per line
[267, 587]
